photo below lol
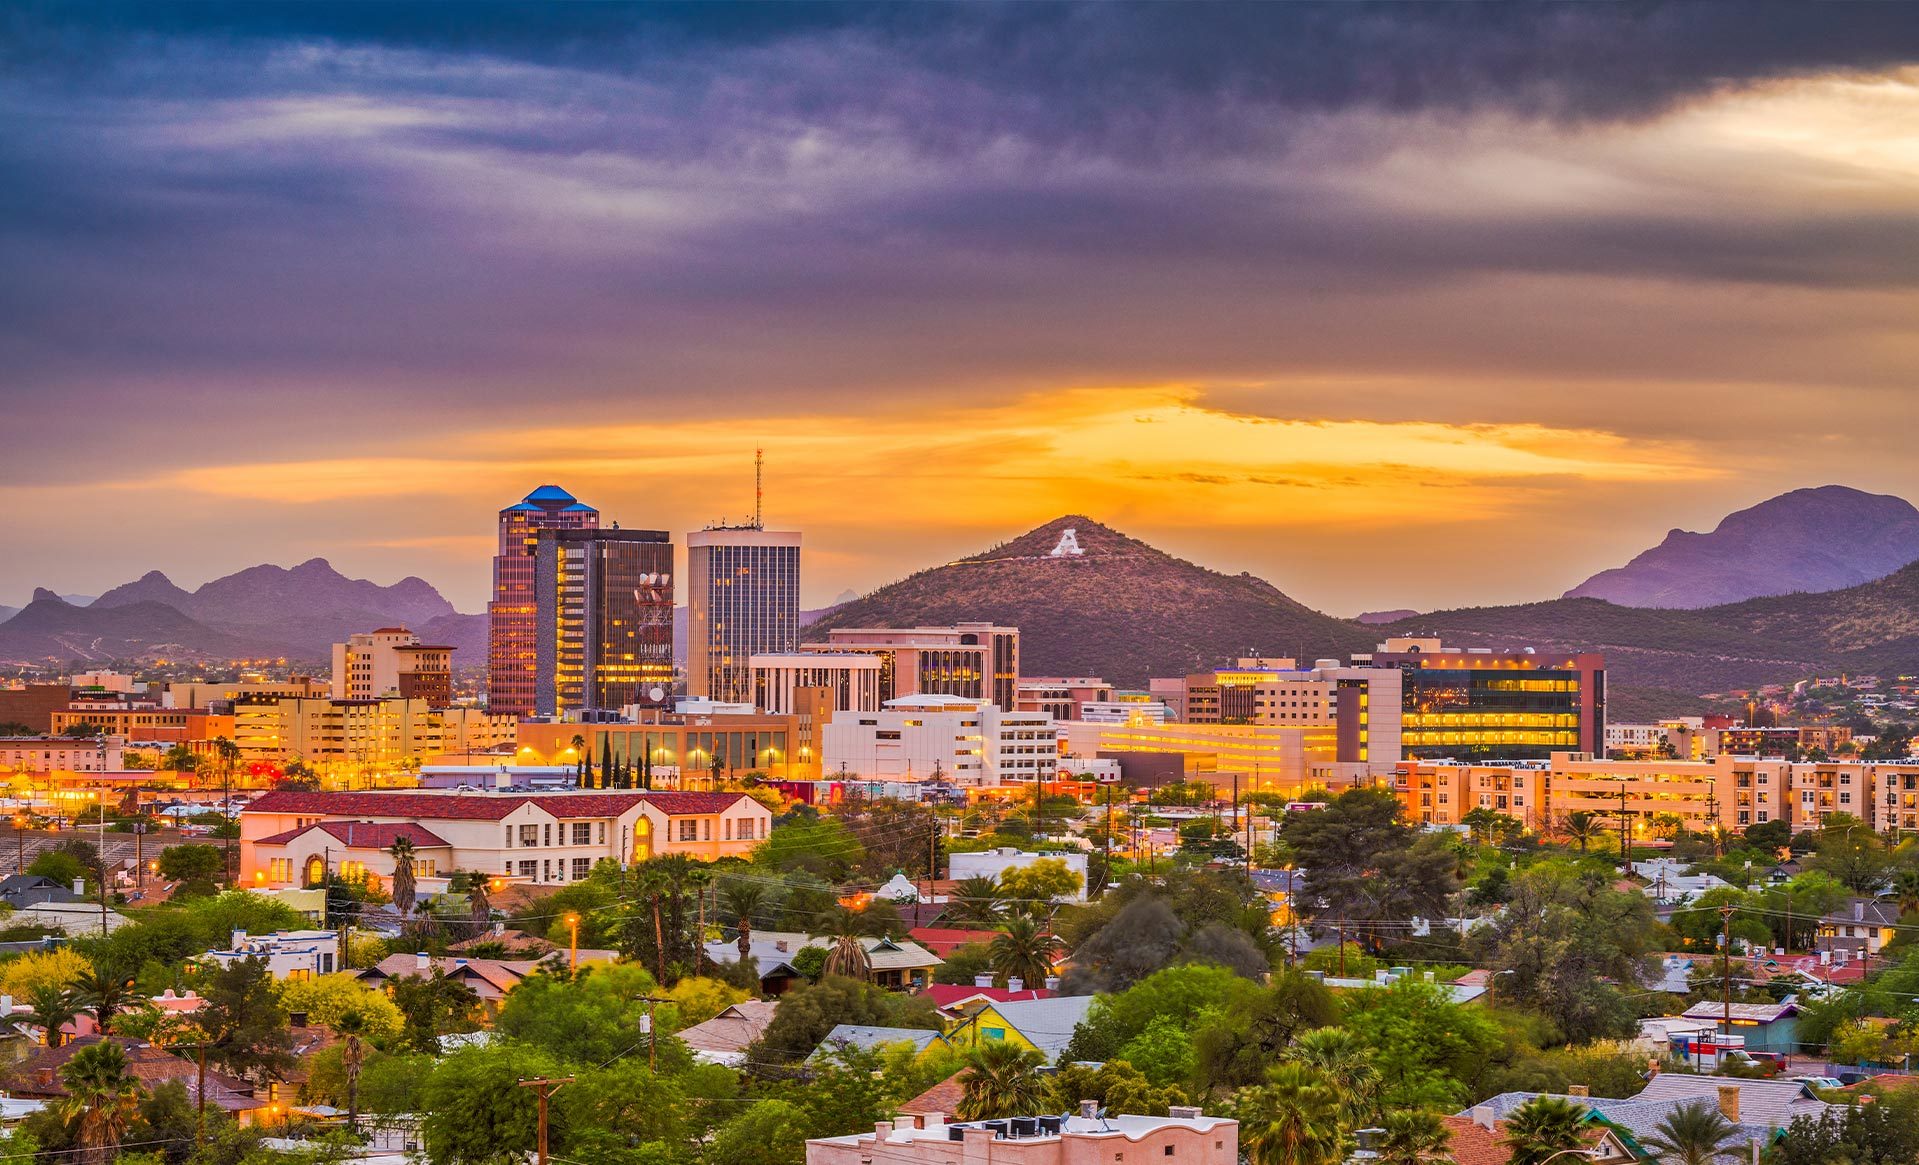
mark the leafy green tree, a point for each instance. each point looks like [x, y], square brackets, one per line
[1001, 1079]
[1566, 937]
[432, 1006]
[1367, 866]
[772, 1132]
[476, 1110]
[823, 847]
[610, 1109]
[1116, 1086]
[806, 1014]
[180, 863]
[741, 900]
[59, 866]
[1694, 1134]
[1291, 1119]
[245, 1025]
[593, 1018]
[1885, 1132]
[1850, 851]
[1186, 995]
[1042, 881]
[1144, 937]
[1424, 1046]
[102, 1098]
[1163, 1052]
[1543, 1126]
[1235, 1045]
[966, 963]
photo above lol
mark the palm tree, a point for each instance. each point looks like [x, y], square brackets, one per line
[404, 888]
[1001, 1079]
[1905, 890]
[1415, 1137]
[1292, 1119]
[1667, 826]
[1346, 1064]
[740, 900]
[351, 1026]
[579, 760]
[104, 990]
[1583, 828]
[478, 908]
[979, 899]
[101, 1096]
[1024, 950]
[848, 931]
[1543, 1126]
[52, 1006]
[1694, 1134]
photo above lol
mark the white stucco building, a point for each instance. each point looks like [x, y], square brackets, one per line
[291, 839]
[963, 740]
[289, 954]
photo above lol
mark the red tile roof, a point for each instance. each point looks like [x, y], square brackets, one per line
[1475, 1144]
[942, 940]
[945, 995]
[488, 806]
[943, 1098]
[39, 1074]
[367, 834]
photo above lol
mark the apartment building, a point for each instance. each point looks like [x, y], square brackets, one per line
[371, 734]
[968, 742]
[294, 839]
[147, 725]
[392, 662]
[61, 754]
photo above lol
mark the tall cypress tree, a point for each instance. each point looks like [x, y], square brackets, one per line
[646, 769]
[606, 758]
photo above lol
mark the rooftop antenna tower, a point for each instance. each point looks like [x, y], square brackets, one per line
[759, 461]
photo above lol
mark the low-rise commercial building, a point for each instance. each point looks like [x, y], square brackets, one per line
[973, 660]
[61, 754]
[1185, 1136]
[363, 735]
[1283, 759]
[850, 681]
[1062, 697]
[684, 751]
[965, 741]
[288, 954]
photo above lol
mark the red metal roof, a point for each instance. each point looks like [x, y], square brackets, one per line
[945, 995]
[487, 806]
[367, 834]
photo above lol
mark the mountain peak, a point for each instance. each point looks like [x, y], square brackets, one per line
[43, 595]
[1089, 600]
[1822, 538]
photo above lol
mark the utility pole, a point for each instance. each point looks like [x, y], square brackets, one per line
[1725, 914]
[103, 868]
[1106, 855]
[1342, 948]
[1625, 853]
[543, 1088]
[651, 1040]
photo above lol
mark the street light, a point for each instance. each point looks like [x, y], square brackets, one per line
[573, 943]
[1492, 982]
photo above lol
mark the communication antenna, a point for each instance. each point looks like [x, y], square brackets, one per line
[759, 461]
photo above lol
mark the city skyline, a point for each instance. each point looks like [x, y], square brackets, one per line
[1249, 286]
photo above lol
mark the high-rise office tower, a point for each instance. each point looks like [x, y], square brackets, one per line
[512, 637]
[603, 613]
[743, 599]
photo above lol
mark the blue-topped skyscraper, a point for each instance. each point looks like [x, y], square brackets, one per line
[512, 677]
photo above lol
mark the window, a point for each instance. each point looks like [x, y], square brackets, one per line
[602, 833]
[706, 829]
[546, 831]
[581, 868]
[729, 829]
[689, 829]
[529, 835]
[582, 833]
[529, 868]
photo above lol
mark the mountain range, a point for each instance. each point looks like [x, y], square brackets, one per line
[1808, 540]
[259, 612]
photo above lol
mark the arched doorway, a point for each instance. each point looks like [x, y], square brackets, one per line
[316, 871]
[642, 839]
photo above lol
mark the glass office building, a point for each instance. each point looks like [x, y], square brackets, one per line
[743, 599]
[1479, 705]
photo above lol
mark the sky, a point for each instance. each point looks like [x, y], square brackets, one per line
[1394, 306]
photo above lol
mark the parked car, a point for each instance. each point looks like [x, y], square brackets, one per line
[1821, 1081]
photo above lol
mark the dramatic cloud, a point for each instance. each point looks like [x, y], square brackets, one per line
[1319, 292]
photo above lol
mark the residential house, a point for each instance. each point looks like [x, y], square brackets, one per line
[1862, 927]
[294, 839]
[897, 964]
[725, 1038]
[957, 1000]
[22, 890]
[944, 940]
[1044, 1025]
[288, 954]
[868, 1039]
[1766, 1027]
[1185, 1136]
[490, 979]
[38, 1076]
[1757, 1109]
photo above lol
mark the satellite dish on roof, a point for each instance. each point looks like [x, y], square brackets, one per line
[656, 693]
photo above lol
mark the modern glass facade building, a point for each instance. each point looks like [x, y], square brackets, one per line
[1479, 705]
[743, 599]
[603, 610]
[512, 627]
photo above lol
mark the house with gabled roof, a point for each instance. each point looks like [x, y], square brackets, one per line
[290, 839]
